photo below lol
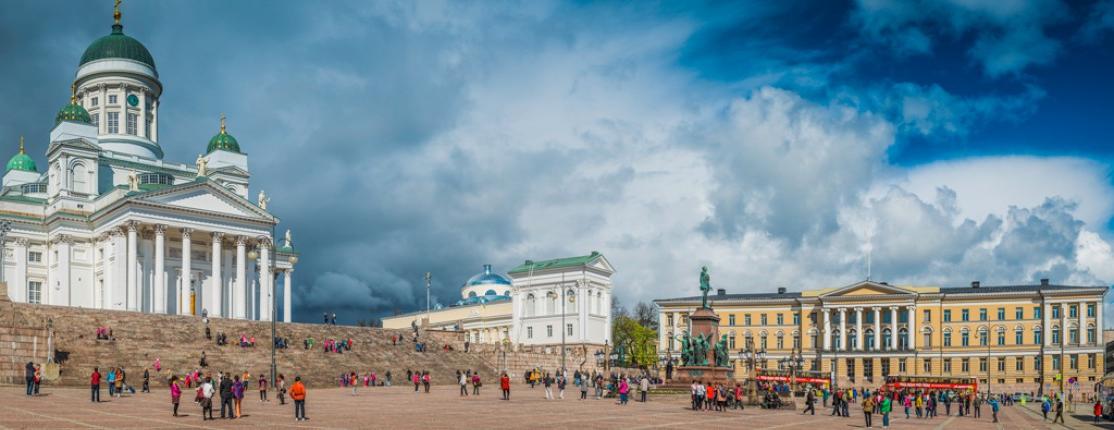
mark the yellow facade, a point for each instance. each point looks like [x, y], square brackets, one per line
[1009, 335]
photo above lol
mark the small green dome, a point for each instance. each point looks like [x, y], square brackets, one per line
[22, 161]
[73, 112]
[223, 140]
[117, 45]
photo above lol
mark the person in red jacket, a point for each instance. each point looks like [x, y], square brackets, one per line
[1098, 410]
[505, 385]
[95, 385]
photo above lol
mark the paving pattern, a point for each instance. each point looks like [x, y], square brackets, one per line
[443, 408]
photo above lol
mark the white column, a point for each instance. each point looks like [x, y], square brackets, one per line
[1046, 326]
[287, 312]
[239, 289]
[64, 296]
[1083, 323]
[141, 122]
[154, 121]
[843, 329]
[877, 328]
[266, 282]
[1098, 323]
[913, 328]
[132, 271]
[159, 287]
[17, 280]
[187, 274]
[102, 126]
[859, 338]
[893, 327]
[1064, 325]
[111, 280]
[214, 293]
[827, 329]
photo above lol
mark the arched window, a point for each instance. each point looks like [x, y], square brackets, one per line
[869, 340]
[507, 293]
[471, 294]
[852, 337]
[903, 339]
[965, 337]
[490, 293]
[1038, 336]
[1019, 336]
[927, 338]
[836, 344]
[984, 336]
[780, 340]
[530, 305]
[551, 303]
[599, 303]
[78, 178]
[947, 337]
[1055, 334]
[887, 338]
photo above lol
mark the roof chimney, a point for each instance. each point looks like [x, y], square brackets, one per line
[974, 284]
[1044, 282]
[781, 290]
[721, 292]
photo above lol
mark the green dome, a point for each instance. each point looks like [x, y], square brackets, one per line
[22, 161]
[223, 140]
[117, 45]
[73, 112]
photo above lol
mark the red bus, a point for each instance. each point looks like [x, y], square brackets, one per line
[931, 383]
[802, 377]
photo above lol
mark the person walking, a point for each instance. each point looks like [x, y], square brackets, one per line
[95, 385]
[1059, 411]
[238, 394]
[280, 387]
[226, 398]
[885, 409]
[978, 406]
[175, 393]
[29, 373]
[1046, 406]
[643, 387]
[207, 399]
[263, 388]
[110, 378]
[994, 408]
[810, 403]
[561, 383]
[476, 384]
[624, 389]
[1098, 410]
[505, 385]
[146, 380]
[462, 379]
[547, 382]
[868, 410]
[298, 394]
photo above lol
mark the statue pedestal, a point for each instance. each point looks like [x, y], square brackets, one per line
[686, 375]
[704, 322]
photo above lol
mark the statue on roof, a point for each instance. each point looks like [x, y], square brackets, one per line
[133, 181]
[288, 242]
[201, 164]
[262, 200]
[705, 285]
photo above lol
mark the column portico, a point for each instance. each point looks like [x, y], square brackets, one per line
[843, 329]
[132, 278]
[827, 329]
[893, 328]
[17, 287]
[266, 283]
[1046, 315]
[877, 328]
[860, 336]
[239, 289]
[1083, 323]
[286, 314]
[214, 293]
[187, 273]
[912, 327]
[159, 289]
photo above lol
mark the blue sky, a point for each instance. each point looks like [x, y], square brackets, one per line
[778, 143]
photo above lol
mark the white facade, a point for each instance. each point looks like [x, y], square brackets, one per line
[111, 225]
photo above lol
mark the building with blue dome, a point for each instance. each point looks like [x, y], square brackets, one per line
[547, 302]
[107, 223]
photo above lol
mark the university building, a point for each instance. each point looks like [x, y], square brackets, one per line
[1008, 335]
[549, 302]
[108, 223]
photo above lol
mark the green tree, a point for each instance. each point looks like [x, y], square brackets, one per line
[638, 343]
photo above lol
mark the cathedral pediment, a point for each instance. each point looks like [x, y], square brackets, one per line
[207, 197]
[867, 288]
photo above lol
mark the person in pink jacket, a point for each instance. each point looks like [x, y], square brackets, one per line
[175, 393]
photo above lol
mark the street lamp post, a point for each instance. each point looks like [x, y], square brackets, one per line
[752, 357]
[794, 362]
[5, 227]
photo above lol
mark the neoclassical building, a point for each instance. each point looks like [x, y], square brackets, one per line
[1007, 335]
[549, 302]
[110, 224]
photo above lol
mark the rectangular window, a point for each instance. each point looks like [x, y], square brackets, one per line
[568, 329]
[1055, 312]
[1037, 312]
[1091, 311]
[927, 343]
[113, 122]
[1091, 361]
[762, 318]
[731, 320]
[1019, 364]
[1019, 313]
[34, 292]
[885, 367]
[982, 364]
[796, 319]
[746, 319]
[966, 315]
[851, 369]
[1073, 361]
[797, 342]
[1037, 337]
[947, 365]
[94, 101]
[982, 314]
[1037, 363]
[731, 342]
[112, 99]
[965, 365]
[35, 257]
[1001, 314]
[1001, 338]
[947, 339]
[965, 339]
[132, 124]
[529, 332]
[1001, 364]
[670, 319]
[780, 342]
[96, 119]
[1056, 362]
[1019, 337]
[780, 319]
[947, 315]
[548, 329]
[928, 365]
[901, 365]
[927, 315]
[1072, 311]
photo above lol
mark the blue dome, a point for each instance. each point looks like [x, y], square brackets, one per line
[488, 277]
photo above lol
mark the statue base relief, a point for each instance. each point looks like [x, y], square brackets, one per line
[685, 375]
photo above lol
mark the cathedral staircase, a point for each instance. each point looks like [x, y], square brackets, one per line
[177, 341]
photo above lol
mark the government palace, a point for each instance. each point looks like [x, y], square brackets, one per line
[1007, 336]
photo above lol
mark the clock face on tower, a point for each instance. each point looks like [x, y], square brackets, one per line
[133, 100]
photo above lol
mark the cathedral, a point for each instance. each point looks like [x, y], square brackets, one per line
[109, 224]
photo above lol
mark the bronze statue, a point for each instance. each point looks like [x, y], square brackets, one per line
[721, 352]
[705, 285]
[686, 349]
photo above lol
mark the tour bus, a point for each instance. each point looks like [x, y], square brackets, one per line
[932, 383]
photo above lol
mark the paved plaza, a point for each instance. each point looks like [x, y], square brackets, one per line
[399, 407]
